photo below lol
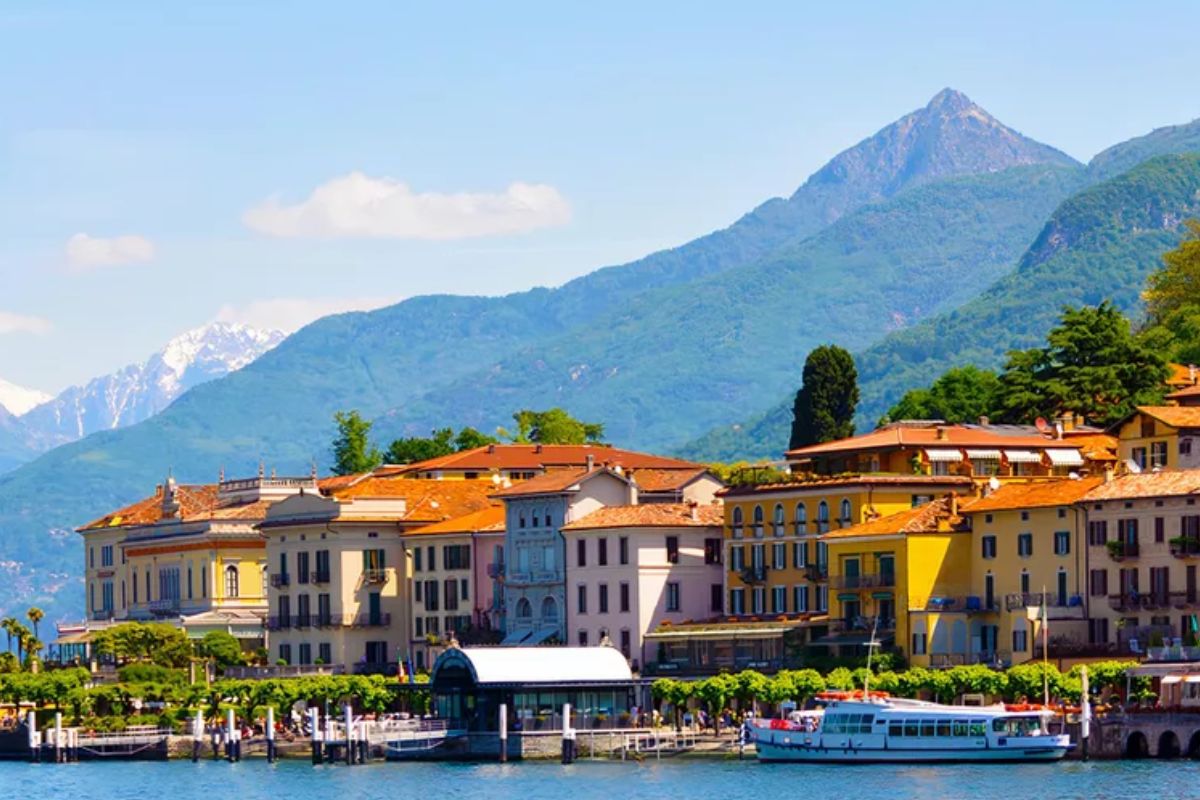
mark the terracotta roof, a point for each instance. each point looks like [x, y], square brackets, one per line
[1166, 483]
[1037, 494]
[194, 501]
[489, 520]
[427, 500]
[665, 480]
[537, 457]
[927, 436]
[650, 515]
[924, 481]
[336, 482]
[1175, 416]
[559, 480]
[1183, 394]
[1095, 446]
[927, 518]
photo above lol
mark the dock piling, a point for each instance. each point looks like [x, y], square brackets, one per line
[58, 736]
[197, 735]
[568, 736]
[503, 732]
[230, 724]
[35, 742]
[270, 735]
[348, 719]
[314, 728]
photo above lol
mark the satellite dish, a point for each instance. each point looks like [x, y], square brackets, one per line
[993, 483]
[1041, 424]
[1132, 466]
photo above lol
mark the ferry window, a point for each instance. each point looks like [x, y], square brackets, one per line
[960, 727]
[978, 727]
[927, 727]
[1000, 725]
[912, 727]
[864, 724]
[943, 727]
[896, 728]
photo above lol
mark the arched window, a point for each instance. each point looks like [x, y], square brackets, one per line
[758, 521]
[779, 519]
[801, 520]
[231, 581]
[845, 517]
[738, 521]
[524, 609]
[823, 517]
[549, 610]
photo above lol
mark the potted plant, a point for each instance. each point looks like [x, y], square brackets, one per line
[1116, 549]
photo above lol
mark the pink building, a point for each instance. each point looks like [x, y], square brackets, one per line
[632, 567]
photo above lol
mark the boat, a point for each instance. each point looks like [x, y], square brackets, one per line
[867, 727]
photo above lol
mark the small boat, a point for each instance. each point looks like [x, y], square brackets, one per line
[871, 727]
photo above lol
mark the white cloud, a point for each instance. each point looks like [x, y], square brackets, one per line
[360, 206]
[22, 323]
[85, 252]
[288, 314]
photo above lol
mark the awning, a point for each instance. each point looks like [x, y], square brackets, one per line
[844, 596]
[530, 637]
[881, 595]
[1192, 679]
[1023, 456]
[983, 455]
[1065, 458]
[943, 456]
[853, 638]
[1174, 679]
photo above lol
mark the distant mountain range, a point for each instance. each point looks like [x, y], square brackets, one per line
[39, 422]
[880, 250]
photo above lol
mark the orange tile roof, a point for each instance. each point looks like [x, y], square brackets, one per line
[537, 457]
[336, 482]
[426, 500]
[489, 520]
[910, 436]
[1166, 483]
[1095, 446]
[950, 482]
[1037, 494]
[195, 500]
[650, 515]
[1175, 416]
[1182, 394]
[927, 518]
[552, 482]
[665, 480]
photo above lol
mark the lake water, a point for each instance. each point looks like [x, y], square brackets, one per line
[685, 779]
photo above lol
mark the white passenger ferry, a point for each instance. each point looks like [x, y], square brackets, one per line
[876, 728]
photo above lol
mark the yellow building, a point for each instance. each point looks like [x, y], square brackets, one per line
[899, 577]
[1162, 437]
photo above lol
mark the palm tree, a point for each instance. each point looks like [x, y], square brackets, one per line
[35, 615]
[9, 626]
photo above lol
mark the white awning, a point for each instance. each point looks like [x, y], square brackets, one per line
[1023, 456]
[983, 455]
[1174, 679]
[1065, 458]
[943, 456]
[1192, 679]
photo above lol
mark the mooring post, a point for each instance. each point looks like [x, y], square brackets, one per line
[348, 719]
[314, 729]
[503, 732]
[270, 735]
[35, 742]
[58, 735]
[229, 725]
[568, 739]
[197, 734]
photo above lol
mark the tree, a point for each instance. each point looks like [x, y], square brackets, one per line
[416, 448]
[962, 394]
[35, 616]
[222, 647]
[469, 438]
[352, 449]
[553, 426]
[135, 641]
[825, 404]
[1176, 285]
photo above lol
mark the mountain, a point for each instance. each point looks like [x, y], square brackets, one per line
[1098, 245]
[1171, 140]
[16, 400]
[138, 391]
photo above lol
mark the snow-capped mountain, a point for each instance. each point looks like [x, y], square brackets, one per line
[138, 391]
[16, 400]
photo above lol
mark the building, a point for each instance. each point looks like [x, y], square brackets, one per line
[1162, 437]
[455, 593]
[518, 462]
[1028, 559]
[190, 555]
[632, 568]
[1143, 535]
[340, 573]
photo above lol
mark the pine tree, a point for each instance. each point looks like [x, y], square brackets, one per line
[825, 405]
[352, 449]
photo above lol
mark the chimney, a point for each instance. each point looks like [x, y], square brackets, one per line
[591, 462]
[983, 420]
[694, 508]
[941, 433]
[953, 497]
[491, 449]
[1109, 474]
[1192, 373]
[1058, 429]
[537, 449]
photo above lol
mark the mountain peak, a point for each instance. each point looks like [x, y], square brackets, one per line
[949, 99]
[16, 400]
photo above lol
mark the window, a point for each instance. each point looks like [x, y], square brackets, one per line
[918, 643]
[624, 597]
[1097, 532]
[431, 595]
[456, 556]
[203, 583]
[106, 555]
[737, 601]
[844, 517]
[429, 556]
[625, 643]
[602, 552]
[988, 543]
[778, 524]
[1024, 581]
[285, 611]
[231, 582]
[324, 617]
[322, 571]
[1024, 516]
[602, 600]
[712, 551]
[800, 599]
[417, 591]
[736, 522]
[672, 549]
[450, 593]
[91, 558]
[779, 556]
[800, 521]
[285, 653]
[1062, 543]
[324, 653]
[581, 602]
[823, 517]
[822, 598]
[799, 555]
[464, 593]
[1020, 641]
[583, 638]
[778, 599]
[1024, 545]
[737, 558]
[581, 553]
[1139, 456]
[302, 567]
[1185, 446]
[305, 653]
[758, 522]
[1159, 532]
[416, 559]
[672, 596]
[716, 598]
[623, 549]
[1158, 454]
[189, 582]
[758, 600]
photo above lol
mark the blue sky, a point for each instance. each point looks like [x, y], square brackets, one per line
[495, 146]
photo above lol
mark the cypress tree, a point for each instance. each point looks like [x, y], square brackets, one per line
[825, 405]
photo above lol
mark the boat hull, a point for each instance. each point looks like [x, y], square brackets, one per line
[776, 746]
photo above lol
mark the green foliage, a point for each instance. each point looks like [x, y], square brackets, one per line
[442, 442]
[961, 394]
[352, 448]
[825, 404]
[221, 647]
[157, 642]
[743, 473]
[840, 679]
[141, 672]
[553, 426]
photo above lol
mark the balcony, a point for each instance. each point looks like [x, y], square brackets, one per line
[320, 576]
[881, 580]
[1119, 550]
[371, 621]
[329, 621]
[495, 571]
[754, 575]
[279, 623]
[302, 621]
[970, 604]
[1185, 547]
[164, 608]
[375, 576]
[1017, 600]
[280, 580]
[1136, 601]
[1183, 600]
[816, 572]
